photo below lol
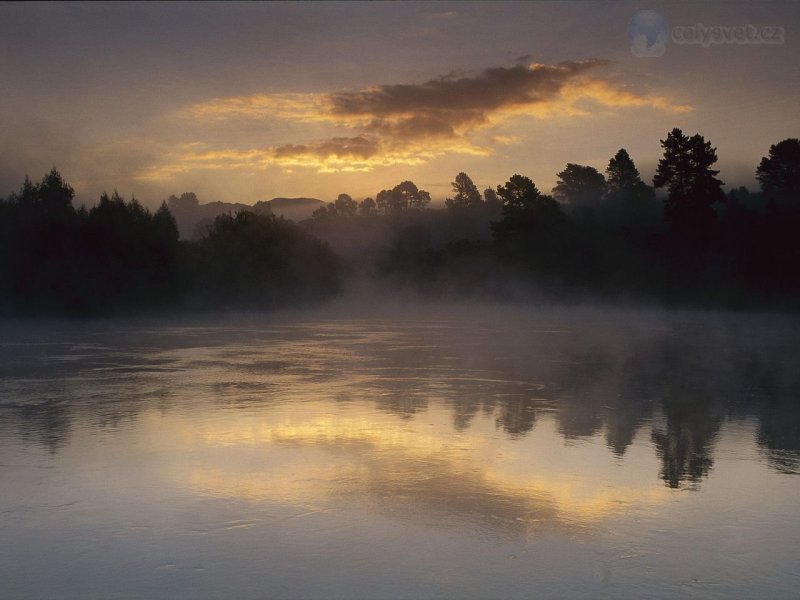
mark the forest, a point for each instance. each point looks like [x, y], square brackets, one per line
[679, 240]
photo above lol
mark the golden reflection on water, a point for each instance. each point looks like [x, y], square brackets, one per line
[323, 455]
[419, 459]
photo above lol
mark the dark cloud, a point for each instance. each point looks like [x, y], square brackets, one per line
[415, 127]
[442, 107]
[410, 123]
[350, 147]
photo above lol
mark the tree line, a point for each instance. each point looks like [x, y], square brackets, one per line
[118, 256]
[606, 234]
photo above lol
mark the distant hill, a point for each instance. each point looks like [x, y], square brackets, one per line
[193, 218]
[296, 209]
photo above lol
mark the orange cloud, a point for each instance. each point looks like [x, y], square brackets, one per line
[412, 123]
[363, 154]
[355, 147]
[356, 154]
[607, 94]
[275, 106]
[450, 106]
[445, 107]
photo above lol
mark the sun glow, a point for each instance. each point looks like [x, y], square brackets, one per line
[408, 124]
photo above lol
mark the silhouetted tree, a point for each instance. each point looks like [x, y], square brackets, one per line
[469, 216]
[529, 217]
[54, 257]
[53, 195]
[259, 261]
[345, 205]
[779, 174]
[41, 235]
[621, 173]
[383, 200]
[132, 253]
[367, 207]
[323, 211]
[402, 197]
[58, 259]
[519, 194]
[466, 194]
[166, 227]
[739, 196]
[492, 204]
[693, 186]
[630, 203]
[772, 259]
[490, 197]
[580, 186]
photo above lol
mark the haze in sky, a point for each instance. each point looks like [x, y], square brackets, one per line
[244, 102]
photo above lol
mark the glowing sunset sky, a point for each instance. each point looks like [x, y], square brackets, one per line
[243, 102]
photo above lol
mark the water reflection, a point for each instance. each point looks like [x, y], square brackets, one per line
[440, 457]
[411, 472]
[676, 381]
[48, 424]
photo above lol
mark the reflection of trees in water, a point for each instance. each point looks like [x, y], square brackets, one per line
[694, 377]
[48, 424]
[405, 382]
[685, 444]
[769, 380]
[464, 412]
[585, 385]
[779, 433]
[689, 382]
[624, 415]
[586, 389]
[775, 385]
[404, 398]
[512, 403]
[590, 388]
[70, 375]
[516, 415]
[683, 380]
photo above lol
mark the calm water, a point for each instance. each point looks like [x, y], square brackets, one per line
[488, 453]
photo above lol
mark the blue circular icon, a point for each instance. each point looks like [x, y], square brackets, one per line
[648, 32]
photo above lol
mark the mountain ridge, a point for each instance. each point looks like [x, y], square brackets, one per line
[193, 218]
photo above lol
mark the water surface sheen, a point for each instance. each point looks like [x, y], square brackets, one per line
[497, 454]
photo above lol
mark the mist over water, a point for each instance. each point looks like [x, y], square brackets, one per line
[393, 449]
[475, 303]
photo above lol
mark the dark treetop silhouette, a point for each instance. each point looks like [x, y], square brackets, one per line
[608, 236]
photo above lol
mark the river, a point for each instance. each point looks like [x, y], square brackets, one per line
[484, 452]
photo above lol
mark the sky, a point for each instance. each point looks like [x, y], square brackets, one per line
[242, 102]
